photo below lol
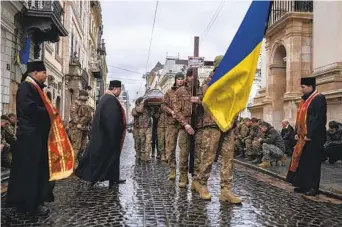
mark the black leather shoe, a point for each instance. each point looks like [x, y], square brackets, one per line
[112, 183]
[42, 210]
[311, 192]
[299, 190]
[121, 181]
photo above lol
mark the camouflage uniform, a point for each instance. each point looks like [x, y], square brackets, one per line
[81, 115]
[6, 155]
[273, 147]
[242, 133]
[172, 128]
[206, 145]
[144, 132]
[252, 136]
[135, 130]
[183, 110]
[161, 129]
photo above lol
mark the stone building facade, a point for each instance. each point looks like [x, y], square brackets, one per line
[299, 44]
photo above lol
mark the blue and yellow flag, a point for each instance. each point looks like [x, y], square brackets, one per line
[228, 90]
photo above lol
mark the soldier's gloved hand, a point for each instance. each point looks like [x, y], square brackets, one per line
[189, 129]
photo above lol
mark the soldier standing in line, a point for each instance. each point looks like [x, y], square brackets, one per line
[183, 110]
[81, 115]
[172, 126]
[207, 138]
[136, 130]
[160, 116]
[144, 115]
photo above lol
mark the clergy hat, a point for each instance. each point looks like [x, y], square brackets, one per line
[308, 81]
[115, 83]
[34, 66]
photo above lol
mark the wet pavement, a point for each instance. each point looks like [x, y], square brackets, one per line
[331, 175]
[149, 199]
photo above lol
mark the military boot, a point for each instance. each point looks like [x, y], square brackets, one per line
[172, 174]
[228, 196]
[195, 186]
[204, 193]
[257, 160]
[265, 164]
[183, 180]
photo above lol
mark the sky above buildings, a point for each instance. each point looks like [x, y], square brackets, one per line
[128, 26]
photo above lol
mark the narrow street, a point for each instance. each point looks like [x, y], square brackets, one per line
[149, 199]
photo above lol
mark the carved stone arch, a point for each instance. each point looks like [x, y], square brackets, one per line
[276, 47]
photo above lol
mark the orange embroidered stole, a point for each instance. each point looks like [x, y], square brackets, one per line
[61, 154]
[301, 130]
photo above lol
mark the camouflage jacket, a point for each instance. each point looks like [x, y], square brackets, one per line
[183, 106]
[243, 131]
[334, 137]
[272, 136]
[3, 138]
[161, 116]
[167, 105]
[9, 134]
[135, 118]
[254, 132]
[81, 116]
[203, 118]
[144, 116]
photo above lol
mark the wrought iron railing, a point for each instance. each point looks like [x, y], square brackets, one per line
[282, 7]
[54, 6]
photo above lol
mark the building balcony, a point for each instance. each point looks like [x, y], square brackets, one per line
[96, 68]
[282, 7]
[42, 21]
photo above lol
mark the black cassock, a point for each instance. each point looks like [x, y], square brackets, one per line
[29, 184]
[308, 173]
[101, 159]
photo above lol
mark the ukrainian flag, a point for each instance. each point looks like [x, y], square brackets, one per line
[228, 90]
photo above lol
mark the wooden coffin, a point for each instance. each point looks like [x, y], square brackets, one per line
[153, 97]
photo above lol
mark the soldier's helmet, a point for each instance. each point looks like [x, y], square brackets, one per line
[217, 60]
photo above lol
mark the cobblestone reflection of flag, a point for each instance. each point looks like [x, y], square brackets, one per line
[231, 84]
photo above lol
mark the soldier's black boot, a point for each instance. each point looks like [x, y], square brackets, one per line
[257, 160]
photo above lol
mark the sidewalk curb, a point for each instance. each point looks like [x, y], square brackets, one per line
[283, 178]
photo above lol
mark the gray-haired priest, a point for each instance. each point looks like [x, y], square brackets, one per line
[101, 160]
[305, 168]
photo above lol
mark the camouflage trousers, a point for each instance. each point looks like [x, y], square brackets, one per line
[239, 145]
[135, 133]
[79, 139]
[161, 142]
[255, 149]
[6, 156]
[143, 147]
[206, 145]
[227, 156]
[184, 144]
[171, 138]
[248, 146]
[271, 152]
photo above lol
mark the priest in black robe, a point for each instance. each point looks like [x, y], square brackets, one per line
[29, 185]
[101, 159]
[305, 168]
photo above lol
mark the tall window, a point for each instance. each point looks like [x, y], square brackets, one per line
[57, 48]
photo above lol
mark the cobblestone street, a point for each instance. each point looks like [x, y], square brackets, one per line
[149, 199]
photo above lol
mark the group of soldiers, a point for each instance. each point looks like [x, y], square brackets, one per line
[8, 138]
[257, 141]
[174, 127]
